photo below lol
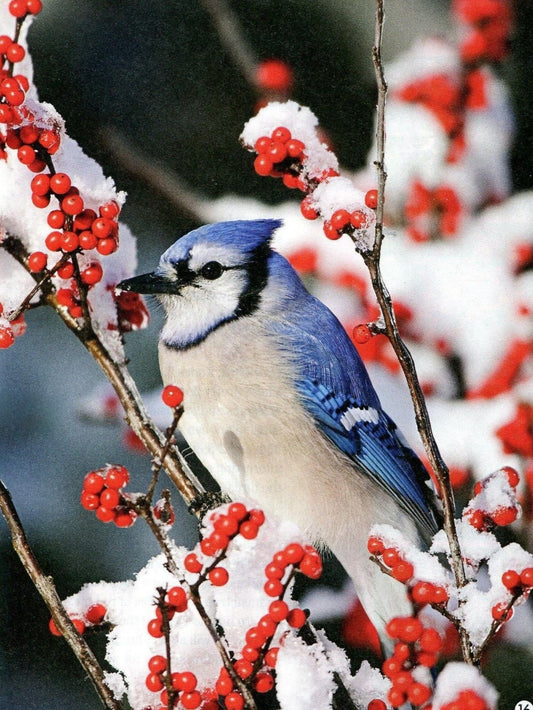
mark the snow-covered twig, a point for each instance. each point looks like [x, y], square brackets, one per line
[47, 589]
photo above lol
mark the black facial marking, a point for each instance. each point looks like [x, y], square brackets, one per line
[257, 270]
[184, 274]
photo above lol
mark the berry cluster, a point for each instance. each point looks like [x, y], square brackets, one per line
[94, 616]
[102, 493]
[489, 24]
[342, 221]
[432, 212]
[256, 661]
[519, 584]
[9, 330]
[517, 435]
[421, 592]
[280, 155]
[494, 503]
[415, 646]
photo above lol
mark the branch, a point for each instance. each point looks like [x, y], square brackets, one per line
[372, 261]
[46, 588]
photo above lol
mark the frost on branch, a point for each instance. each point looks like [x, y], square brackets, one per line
[59, 215]
[261, 634]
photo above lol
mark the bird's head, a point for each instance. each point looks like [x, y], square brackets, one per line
[208, 277]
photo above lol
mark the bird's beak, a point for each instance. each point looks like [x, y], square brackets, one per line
[148, 283]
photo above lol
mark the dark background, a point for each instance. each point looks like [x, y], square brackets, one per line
[157, 72]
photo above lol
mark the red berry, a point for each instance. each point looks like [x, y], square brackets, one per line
[191, 700]
[511, 579]
[307, 209]
[362, 334]
[218, 576]
[504, 515]
[358, 219]
[280, 135]
[49, 141]
[155, 628]
[34, 6]
[255, 637]
[69, 241]
[418, 694]
[93, 482]
[244, 669]
[109, 498]
[15, 53]
[501, 613]
[257, 516]
[157, 664]
[274, 75]
[330, 231]
[263, 682]
[427, 658]
[56, 219]
[227, 525]
[295, 148]
[339, 219]
[92, 274]
[234, 701]
[273, 588]
[110, 210]
[172, 396]
[53, 628]
[117, 477]
[512, 476]
[430, 640]
[26, 154]
[15, 97]
[276, 151]
[271, 657]
[154, 682]
[311, 565]
[371, 199]
[278, 610]
[396, 697]
[124, 517]
[186, 681]
[224, 684]
[376, 705]
[103, 227]
[293, 553]
[40, 185]
[296, 618]
[391, 556]
[96, 613]
[60, 183]
[262, 144]
[192, 563]
[106, 246]
[79, 625]
[403, 680]
[208, 547]
[263, 165]
[89, 501]
[6, 337]
[87, 240]
[267, 625]
[423, 592]
[18, 8]
[177, 598]
[249, 529]
[84, 220]
[249, 653]
[37, 261]
[28, 134]
[375, 546]
[411, 629]
[526, 577]
[6, 114]
[39, 201]
[105, 515]
[403, 571]
[72, 204]
[237, 511]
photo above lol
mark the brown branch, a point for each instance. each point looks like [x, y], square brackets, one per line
[372, 261]
[47, 589]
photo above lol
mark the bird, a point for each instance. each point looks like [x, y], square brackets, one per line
[278, 405]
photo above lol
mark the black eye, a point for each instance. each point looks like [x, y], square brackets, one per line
[212, 270]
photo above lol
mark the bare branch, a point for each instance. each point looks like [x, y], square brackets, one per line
[46, 588]
[372, 261]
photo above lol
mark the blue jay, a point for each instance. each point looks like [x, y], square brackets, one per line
[278, 404]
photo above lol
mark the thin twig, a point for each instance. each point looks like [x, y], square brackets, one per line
[46, 588]
[372, 261]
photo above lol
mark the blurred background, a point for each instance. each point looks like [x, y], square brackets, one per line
[159, 74]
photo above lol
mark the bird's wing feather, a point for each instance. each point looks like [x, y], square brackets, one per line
[336, 391]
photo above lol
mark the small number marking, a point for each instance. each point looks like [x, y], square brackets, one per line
[523, 705]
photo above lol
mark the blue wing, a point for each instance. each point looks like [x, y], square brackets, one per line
[336, 391]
